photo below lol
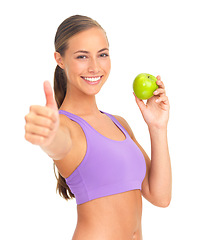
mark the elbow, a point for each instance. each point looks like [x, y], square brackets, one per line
[163, 203]
[160, 201]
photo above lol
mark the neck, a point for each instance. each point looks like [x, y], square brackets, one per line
[80, 103]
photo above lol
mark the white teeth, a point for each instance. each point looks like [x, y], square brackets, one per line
[92, 79]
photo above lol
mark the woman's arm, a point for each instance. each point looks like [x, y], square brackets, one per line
[158, 181]
[159, 175]
[157, 184]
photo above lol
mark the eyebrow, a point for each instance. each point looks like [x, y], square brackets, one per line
[83, 51]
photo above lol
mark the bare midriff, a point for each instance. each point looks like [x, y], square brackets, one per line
[114, 217]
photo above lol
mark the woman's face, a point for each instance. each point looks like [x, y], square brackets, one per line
[86, 61]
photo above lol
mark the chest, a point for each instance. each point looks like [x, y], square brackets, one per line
[107, 128]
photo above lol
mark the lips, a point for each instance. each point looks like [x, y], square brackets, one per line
[92, 80]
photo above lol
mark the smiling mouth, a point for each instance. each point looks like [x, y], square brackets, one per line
[92, 79]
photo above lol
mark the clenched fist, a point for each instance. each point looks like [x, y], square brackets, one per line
[42, 122]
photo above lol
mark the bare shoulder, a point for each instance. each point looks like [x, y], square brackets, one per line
[64, 120]
[75, 130]
[67, 123]
[125, 124]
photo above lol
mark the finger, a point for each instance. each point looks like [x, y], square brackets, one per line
[140, 103]
[43, 111]
[37, 130]
[160, 84]
[159, 91]
[158, 77]
[50, 101]
[163, 99]
[39, 120]
[34, 139]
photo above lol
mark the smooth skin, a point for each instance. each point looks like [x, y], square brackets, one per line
[116, 216]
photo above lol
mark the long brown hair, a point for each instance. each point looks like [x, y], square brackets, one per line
[68, 28]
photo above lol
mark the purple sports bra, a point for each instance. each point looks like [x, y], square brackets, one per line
[109, 166]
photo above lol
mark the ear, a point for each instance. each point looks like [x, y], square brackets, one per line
[59, 59]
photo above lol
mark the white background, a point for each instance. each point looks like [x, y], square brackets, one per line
[167, 38]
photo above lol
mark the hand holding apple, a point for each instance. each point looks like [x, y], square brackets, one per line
[156, 110]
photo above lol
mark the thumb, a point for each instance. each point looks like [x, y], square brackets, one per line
[140, 103]
[50, 101]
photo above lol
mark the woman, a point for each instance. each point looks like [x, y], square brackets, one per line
[98, 158]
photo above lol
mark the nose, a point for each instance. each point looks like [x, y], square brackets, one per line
[93, 66]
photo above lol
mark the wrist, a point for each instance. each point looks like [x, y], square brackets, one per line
[157, 130]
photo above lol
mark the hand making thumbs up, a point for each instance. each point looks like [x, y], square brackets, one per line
[42, 122]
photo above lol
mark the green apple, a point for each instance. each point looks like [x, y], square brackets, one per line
[144, 85]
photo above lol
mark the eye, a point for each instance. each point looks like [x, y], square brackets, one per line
[82, 57]
[104, 55]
